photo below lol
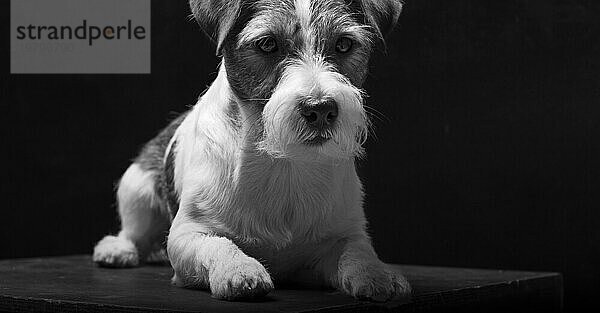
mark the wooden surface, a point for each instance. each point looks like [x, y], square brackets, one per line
[73, 283]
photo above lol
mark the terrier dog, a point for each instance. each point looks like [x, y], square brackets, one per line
[257, 182]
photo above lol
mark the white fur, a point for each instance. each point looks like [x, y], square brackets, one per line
[293, 213]
[313, 77]
[143, 221]
[303, 13]
[116, 252]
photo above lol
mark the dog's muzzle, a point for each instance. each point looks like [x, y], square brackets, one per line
[320, 117]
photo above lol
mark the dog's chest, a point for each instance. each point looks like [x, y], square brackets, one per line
[277, 202]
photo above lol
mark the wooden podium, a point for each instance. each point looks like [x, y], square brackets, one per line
[75, 284]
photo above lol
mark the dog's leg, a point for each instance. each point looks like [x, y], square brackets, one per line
[353, 267]
[142, 221]
[206, 261]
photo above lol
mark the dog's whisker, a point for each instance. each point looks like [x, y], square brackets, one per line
[374, 112]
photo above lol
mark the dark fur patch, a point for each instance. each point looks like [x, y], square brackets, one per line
[152, 158]
[216, 17]
[329, 20]
[253, 74]
[382, 14]
[167, 182]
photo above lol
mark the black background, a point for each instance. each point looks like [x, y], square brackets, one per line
[486, 151]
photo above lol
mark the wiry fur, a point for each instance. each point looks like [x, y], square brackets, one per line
[283, 130]
[247, 199]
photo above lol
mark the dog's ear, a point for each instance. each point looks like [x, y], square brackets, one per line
[382, 15]
[216, 17]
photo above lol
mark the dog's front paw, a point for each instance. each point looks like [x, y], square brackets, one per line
[240, 278]
[375, 282]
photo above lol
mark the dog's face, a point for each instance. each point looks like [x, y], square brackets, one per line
[296, 67]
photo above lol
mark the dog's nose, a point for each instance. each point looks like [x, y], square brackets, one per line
[321, 114]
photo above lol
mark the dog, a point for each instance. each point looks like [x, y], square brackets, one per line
[257, 183]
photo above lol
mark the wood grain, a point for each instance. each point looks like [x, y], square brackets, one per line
[75, 284]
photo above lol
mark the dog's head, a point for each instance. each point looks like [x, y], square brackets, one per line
[296, 68]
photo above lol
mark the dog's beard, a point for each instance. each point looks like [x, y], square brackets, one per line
[285, 134]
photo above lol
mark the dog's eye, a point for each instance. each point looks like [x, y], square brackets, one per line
[343, 45]
[267, 44]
